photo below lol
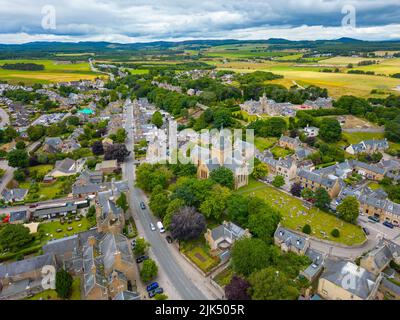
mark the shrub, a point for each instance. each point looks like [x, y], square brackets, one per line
[335, 233]
[307, 229]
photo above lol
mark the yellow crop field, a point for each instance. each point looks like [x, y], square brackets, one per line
[55, 71]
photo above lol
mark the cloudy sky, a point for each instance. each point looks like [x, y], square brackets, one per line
[140, 20]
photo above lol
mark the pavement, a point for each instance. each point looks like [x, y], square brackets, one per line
[4, 118]
[178, 278]
[9, 173]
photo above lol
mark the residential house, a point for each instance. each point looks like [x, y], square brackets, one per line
[344, 280]
[69, 146]
[289, 143]
[286, 167]
[52, 145]
[14, 195]
[22, 278]
[368, 146]
[312, 272]
[384, 209]
[107, 167]
[67, 167]
[376, 260]
[311, 132]
[221, 238]
[127, 295]
[314, 181]
[289, 241]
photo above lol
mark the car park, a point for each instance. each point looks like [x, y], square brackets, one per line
[152, 286]
[153, 293]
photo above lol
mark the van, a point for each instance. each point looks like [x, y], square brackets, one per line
[160, 227]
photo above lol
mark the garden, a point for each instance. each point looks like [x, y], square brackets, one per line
[198, 252]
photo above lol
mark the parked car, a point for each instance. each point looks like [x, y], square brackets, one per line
[152, 286]
[160, 227]
[152, 227]
[365, 231]
[388, 224]
[142, 205]
[169, 239]
[141, 259]
[155, 292]
[373, 219]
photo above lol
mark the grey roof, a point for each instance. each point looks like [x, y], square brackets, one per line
[69, 207]
[302, 153]
[287, 139]
[53, 143]
[227, 230]
[317, 178]
[127, 295]
[62, 246]
[338, 272]
[112, 244]
[370, 144]
[14, 194]
[381, 256]
[24, 266]
[390, 286]
[107, 201]
[384, 204]
[18, 216]
[370, 167]
[290, 238]
[86, 189]
[67, 165]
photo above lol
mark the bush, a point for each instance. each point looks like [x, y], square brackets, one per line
[63, 284]
[335, 233]
[278, 182]
[307, 229]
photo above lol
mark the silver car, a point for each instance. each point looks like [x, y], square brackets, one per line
[152, 227]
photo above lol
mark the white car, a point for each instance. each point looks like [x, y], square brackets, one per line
[160, 227]
[152, 227]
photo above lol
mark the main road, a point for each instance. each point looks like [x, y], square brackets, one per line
[176, 276]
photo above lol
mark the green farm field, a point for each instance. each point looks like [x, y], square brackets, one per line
[55, 71]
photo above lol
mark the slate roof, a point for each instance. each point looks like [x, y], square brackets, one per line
[27, 265]
[14, 194]
[227, 230]
[127, 295]
[317, 178]
[107, 201]
[112, 244]
[384, 204]
[67, 165]
[18, 216]
[363, 281]
[302, 153]
[290, 238]
[370, 144]
[54, 144]
[390, 286]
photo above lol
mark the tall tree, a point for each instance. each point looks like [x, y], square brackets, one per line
[14, 237]
[149, 270]
[159, 200]
[187, 224]
[330, 130]
[18, 158]
[157, 119]
[215, 204]
[322, 198]
[63, 284]
[349, 209]
[223, 176]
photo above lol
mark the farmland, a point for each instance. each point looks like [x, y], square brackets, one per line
[55, 71]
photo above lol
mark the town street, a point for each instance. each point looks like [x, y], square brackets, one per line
[4, 118]
[175, 278]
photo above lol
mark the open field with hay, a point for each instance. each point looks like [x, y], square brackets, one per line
[55, 71]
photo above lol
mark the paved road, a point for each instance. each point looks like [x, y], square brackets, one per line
[4, 118]
[94, 69]
[169, 267]
[7, 176]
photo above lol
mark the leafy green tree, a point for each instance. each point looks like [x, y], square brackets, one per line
[223, 176]
[141, 247]
[278, 181]
[161, 296]
[335, 233]
[18, 158]
[249, 255]
[14, 237]
[330, 130]
[192, 191]
[322, 198]
[20, 145]
[307, 229]
[237, 209]
[122, 202]
[264, 224]
[173, 207]
[159, 200]
[19, 175]
[349, 209]
[215, 204]
[260, 171]
[307, 194]
[157, 119]
[63, 284]
[149, 270]
[270, 284]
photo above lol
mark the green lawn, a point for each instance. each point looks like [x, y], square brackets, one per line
[223, 278]
[264, 143]
[41, 169]
[319, 221]
[51, 228]
[374, 185]
[52, 294]
[198, 252]
[357, 137]
[47, 191]
[280, 152]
